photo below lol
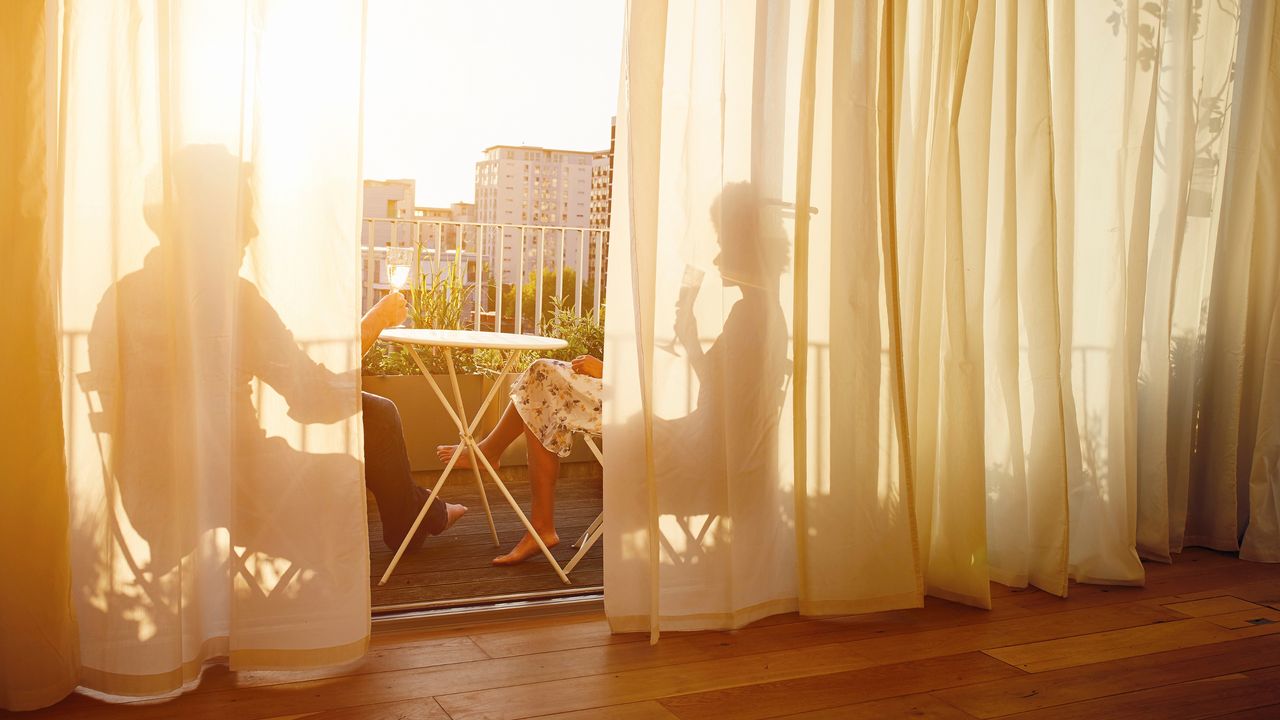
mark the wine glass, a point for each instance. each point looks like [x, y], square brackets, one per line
[399, 269]
[690, 283]
[399, 265]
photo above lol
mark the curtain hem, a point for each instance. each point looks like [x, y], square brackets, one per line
[745, 616]
[955, 597]
[213, 651]
[705, 621]
[826, 608]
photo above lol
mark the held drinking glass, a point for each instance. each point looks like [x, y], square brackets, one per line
[399, 270]
[690, 283]
[399, 265]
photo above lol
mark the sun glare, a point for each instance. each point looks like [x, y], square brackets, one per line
[445, 80]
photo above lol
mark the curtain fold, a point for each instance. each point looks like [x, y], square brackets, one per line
[38, 646]
[1256, 150]
[209, 198]
[939, 294]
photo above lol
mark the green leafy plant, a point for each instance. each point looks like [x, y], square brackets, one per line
[584, 333]
[550, 299]
[439, 303]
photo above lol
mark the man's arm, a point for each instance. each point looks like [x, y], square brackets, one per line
[390, 310]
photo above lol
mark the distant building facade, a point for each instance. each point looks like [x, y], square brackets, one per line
[521, 185]
[602, 203]
[386, 201]
[463, 212]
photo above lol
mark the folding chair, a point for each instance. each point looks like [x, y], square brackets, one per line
[145, 577]
[593, 532]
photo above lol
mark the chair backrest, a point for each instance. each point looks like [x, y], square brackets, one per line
[99, 422]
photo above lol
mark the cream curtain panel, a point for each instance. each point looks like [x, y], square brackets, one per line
[971, 291]
[207, 198]
[38, 644]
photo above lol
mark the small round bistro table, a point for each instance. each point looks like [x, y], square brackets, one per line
[512, 346]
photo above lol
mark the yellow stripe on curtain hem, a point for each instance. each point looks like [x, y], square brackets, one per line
[741, 618]
[110, 683]
[704, 621]
[898, 601]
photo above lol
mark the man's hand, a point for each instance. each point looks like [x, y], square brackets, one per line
[391, 310]
[588, 365]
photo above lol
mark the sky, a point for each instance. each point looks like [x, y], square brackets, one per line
[445, 79]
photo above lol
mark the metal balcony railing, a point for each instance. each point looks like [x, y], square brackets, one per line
[489, 258]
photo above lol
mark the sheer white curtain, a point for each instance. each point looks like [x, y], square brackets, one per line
[38, 644]
[209, 204]
[753, 416]
[964, 292]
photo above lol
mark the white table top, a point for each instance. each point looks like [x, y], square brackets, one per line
[471, 339]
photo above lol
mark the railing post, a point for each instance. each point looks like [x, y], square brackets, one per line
[560, 268]
[415, 282]
[537, 284]
[457, 269]
[520, 283]
[577, 273]
[478, 306]
[439, 254]
[600, 240]
[497, 274]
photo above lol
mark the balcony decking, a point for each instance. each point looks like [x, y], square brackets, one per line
[456, 566]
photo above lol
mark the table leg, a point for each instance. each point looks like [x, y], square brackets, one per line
[484, 500]
[413, 529]
[448, 468]
[510, 361]
[468, 436]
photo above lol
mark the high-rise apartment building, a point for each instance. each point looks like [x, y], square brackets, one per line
[601, 189]
[602, 203]
[519, 185]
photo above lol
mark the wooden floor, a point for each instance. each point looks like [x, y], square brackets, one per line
[1201, 640]
[457, 565]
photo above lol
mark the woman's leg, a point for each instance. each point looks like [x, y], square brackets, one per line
[544, 469]
[387, 475]
[510, 426]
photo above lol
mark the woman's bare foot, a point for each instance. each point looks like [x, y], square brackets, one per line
[453, 512]
[444, 452]
[527, 548]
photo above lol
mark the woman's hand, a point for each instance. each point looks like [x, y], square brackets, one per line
[587, 365]
[686, 328]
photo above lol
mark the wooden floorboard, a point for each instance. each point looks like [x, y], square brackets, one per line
[1200, 641]
[826, 691]
[457, 565]
[917, 707]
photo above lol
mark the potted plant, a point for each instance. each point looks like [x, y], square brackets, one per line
[389, 369]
